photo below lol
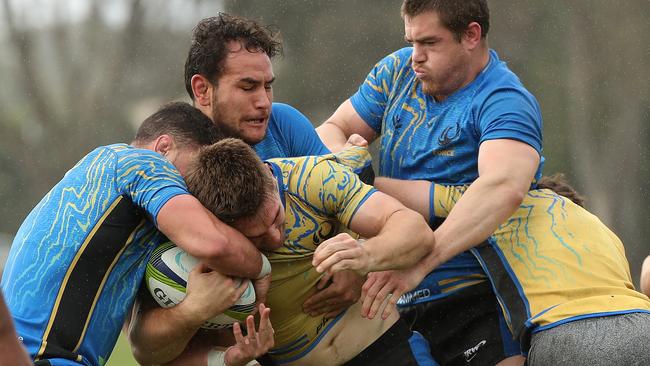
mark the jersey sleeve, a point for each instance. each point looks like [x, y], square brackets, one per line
[297, 131]
[149, 180]
[336, 190]
[371, 100]
[510, 113]
[355, 157]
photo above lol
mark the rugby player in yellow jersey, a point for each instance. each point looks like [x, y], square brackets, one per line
[561, 277]
[305, 202]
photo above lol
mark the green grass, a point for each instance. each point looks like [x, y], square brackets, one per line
[121, 355]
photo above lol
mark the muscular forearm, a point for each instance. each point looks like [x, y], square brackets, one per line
[332, 136]
[161, 334]
[413, 194]
[486, 204]
[236, 257]
[404, 240]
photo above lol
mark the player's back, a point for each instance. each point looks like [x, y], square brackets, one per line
[72, 270]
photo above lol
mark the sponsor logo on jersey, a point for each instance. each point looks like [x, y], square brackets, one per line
[414, 296]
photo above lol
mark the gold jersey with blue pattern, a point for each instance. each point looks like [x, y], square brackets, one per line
[552, 262]
[320, 197]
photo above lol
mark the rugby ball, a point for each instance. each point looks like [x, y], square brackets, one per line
[166, 277]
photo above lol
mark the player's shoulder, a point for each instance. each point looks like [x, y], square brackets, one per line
[299, 173]
[499, 78]
[397, 60]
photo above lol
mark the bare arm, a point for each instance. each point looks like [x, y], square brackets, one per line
[193, 228]
[506, 170]
[645, 276]
[158, 335]
[344, 122]
[398, 238]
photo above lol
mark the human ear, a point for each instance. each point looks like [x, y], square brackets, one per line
[202, 90]
[472, 35]
[164, 144]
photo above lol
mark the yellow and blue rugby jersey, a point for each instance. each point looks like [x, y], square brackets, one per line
[422, 138]
[320, 197]
[552, 262]
[78, 258]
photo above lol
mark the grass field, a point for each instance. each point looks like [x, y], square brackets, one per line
[121, 355]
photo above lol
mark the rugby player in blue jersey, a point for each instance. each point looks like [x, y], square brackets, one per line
[78, 259]
[229, 76]
[447, 110]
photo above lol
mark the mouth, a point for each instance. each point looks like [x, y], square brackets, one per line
[257, 121]
[419, 73]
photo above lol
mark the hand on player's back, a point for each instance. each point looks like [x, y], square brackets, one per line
[209, 293]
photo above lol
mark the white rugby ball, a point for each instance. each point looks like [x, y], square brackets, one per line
[166, 277]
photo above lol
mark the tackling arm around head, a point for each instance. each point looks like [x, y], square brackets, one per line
[196, 230]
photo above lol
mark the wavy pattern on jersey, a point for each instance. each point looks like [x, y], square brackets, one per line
[48, 242]
[320, 195]
[553, 261]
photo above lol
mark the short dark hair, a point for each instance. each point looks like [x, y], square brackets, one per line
[188, 125]
[230, 180]
[455, 15]
[558, 183]
[210, 37]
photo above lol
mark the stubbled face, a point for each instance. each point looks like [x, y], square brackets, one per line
[266, 228]
[440, 61]
[241, 102]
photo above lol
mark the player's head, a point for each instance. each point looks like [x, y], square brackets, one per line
[177, 131]
[559, 184]
[231, 181]
[449, 41]
[228, 73]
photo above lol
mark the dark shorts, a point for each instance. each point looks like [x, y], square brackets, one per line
[397, 346]
[464, 328]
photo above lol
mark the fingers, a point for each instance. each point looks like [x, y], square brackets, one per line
[251, 332]
[392, 303]
[236, 331]
[342, 259]
[324, 281]
[328, 247]
[371, 293]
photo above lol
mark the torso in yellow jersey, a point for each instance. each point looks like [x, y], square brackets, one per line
[552, 261]
[320, 198]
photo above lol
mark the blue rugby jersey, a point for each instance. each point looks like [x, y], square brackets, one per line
[78, 258]
[439, 141]
[289, 134]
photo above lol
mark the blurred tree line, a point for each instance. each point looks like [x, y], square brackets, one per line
[72, 82]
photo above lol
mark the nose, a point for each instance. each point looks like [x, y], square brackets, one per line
[263, 99]
[275, 236]
[418, 54]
